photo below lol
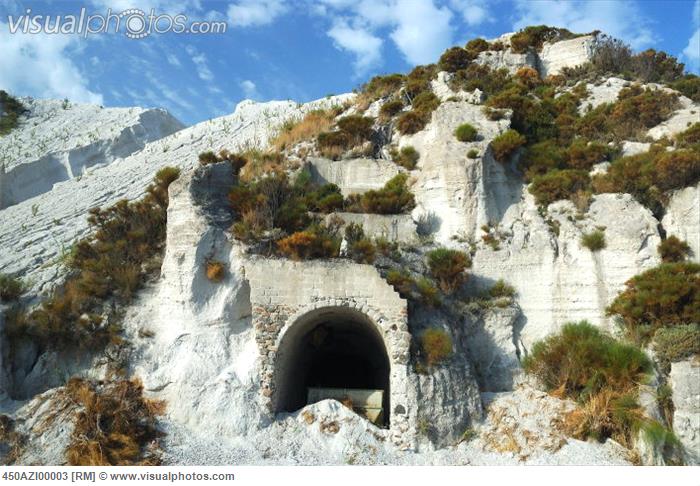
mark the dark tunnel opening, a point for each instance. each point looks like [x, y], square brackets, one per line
[333, 349]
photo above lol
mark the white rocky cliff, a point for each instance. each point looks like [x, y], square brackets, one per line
[228, 356]
[57, 141]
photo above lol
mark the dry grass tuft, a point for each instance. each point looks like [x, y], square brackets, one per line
[116, 426]
[308, 417]
[608, 413]
[308, 128]
[436, 346]
[261, 163]
[12, 440]
[216, 271]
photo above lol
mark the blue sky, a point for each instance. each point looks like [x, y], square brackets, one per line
[298, 49]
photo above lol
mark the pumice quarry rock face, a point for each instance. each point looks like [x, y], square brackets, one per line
[59, 141]
[234, 337]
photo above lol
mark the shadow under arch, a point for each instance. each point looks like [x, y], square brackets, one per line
[330, 347]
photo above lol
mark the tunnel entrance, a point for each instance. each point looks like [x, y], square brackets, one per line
[331, 353]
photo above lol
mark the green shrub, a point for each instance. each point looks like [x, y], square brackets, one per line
[12, 108]
[646, 175]
[352, 130]
[448, 268]
[673, 249]
[436, 346]
[594, 125]
[411, 122]
[333, 144]
[677, 169]
[272, 202]
[466, 133]
[363, 251]
[583, 155]
[473, 154]
[407, 157]
[689, 138]
[208, 157]
[329, 203]
[356, 126]
[475, 46]
[535, 37]
[313, 242]
[493, 114]
[689, 86]
[638, 109]
[326, 198]
[393, 198]
[482, 77]
[418, 80]
[651, 66]
[501, 289]
[556, 185]
[237, 161]
[387, 248]
[454, 59]
[541, 158]
[676, 343]
[594, 241]
[428, 292]
[391, 109]
[10, 288]
[401, 281]
[504, 145]
[665, 296]
[632, 175]
[528, 77]
[354, 232]
[611, 55]
[383, 86]
[580, 361]
[425, 103]
[110, 265]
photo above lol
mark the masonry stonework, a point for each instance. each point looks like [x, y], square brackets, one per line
[285, 293]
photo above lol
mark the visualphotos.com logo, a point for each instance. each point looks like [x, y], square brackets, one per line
[133, 23]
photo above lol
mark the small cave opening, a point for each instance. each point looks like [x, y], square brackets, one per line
[333, 353]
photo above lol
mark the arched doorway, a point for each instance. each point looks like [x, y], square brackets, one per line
[330, 348]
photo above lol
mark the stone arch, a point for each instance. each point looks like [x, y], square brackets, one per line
[336, 344]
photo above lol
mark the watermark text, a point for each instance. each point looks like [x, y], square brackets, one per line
[133, 23]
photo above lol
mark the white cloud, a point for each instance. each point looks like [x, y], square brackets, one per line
[692, 50]
[618, 18]
[173, 60]
[473, 12]
[691, 53]
[362, 44]
[254, 13]
[168, 93]
[250, 90]
[422, 30]
[200, 62]
[39, 65]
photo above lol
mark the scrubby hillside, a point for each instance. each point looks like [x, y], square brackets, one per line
[523, 215]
